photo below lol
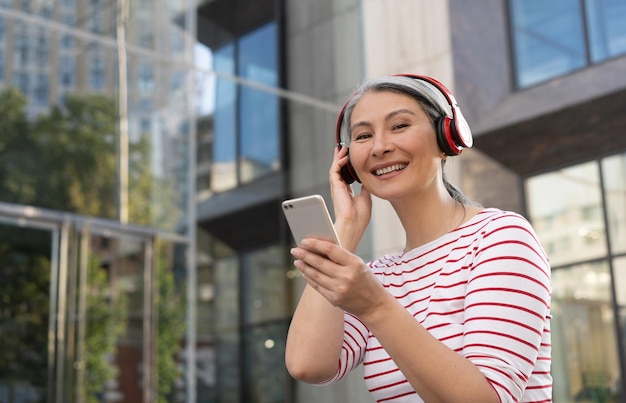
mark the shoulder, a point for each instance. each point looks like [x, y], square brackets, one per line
[500, 229]
[491, 219]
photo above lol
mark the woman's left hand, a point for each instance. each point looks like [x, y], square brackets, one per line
[339, 275]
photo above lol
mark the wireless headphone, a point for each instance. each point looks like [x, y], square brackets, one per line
[453, 132]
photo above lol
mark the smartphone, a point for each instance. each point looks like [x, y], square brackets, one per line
[308, 217]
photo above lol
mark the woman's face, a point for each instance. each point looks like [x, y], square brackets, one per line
[393, 146]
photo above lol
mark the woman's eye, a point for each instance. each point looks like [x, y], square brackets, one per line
[400, 126]
[361, 136]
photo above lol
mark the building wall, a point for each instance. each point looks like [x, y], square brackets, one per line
[324, 63]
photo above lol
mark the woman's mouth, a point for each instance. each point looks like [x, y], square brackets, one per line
[391, 168]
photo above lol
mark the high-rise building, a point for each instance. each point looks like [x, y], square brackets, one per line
[146, 145]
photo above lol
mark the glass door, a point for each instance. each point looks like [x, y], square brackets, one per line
[28, 278]
[91, 311]
[108, 303]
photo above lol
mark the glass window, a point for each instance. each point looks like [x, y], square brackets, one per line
[264, 366]
[258, 114]
[569, 221]
[264, 284]
[41, 49]
[41, 90]
[67, 71]
[227, 329]
[1, 65]
[97, 69]
[20, 46]
[556, 37]
[145, 77]
[607, 30]
[585, 363]
[619, 270]
[614, 172]
[547, 37]
[224, 169]
[3, 29]
[26, 271]
[22, 82]
[265, 324]
[246, 141]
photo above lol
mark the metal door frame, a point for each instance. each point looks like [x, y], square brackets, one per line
[68, 230]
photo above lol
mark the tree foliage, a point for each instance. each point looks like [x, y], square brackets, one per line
[170, 302]
[107, 314]
[66, 160]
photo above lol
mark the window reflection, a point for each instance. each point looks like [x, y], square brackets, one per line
[111, 336]
[619, 271]
[565, 208]
[264, 284]
[607, 31]
[246, 141]
[26, 272]
[258, 115]
[265, 324]
[548, 38]
[555, 37]
[614, 172]
[224, 169]
[584, 346]
[265, 374]
[227, 332]
[619, 268]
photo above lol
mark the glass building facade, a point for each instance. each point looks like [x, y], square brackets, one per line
[583, 229]
[97, 222]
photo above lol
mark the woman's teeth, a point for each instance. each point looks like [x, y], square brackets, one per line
[386, 170]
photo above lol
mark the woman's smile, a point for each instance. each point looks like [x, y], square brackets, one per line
[389, 169]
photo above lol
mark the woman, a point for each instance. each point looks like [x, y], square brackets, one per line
[461, 314]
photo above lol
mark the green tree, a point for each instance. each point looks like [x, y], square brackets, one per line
[170, 303]
[24, 308]
[107, 313]
[66, 160]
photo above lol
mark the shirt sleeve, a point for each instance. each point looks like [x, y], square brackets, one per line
[353, 350]
[507, 306]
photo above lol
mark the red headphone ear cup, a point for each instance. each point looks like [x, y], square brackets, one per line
[447, 136]
[347, 173]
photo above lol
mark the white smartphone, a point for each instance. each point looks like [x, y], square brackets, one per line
[308, 217]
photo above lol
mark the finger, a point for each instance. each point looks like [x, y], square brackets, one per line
[312, 259]
[326, 250]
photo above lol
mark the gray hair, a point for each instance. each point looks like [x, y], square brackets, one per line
[431, 99]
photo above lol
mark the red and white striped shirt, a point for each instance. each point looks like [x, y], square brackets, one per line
[484, 291]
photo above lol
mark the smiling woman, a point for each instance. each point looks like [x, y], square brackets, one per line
[462, 312]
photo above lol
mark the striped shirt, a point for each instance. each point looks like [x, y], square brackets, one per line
[484, 291]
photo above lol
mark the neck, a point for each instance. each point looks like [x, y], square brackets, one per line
[428, 219]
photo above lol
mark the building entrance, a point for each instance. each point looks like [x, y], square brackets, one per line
[90, 309]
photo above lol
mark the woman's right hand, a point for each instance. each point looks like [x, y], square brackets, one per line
[352, 212]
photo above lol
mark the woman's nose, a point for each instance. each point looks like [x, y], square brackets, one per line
[381, 145]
